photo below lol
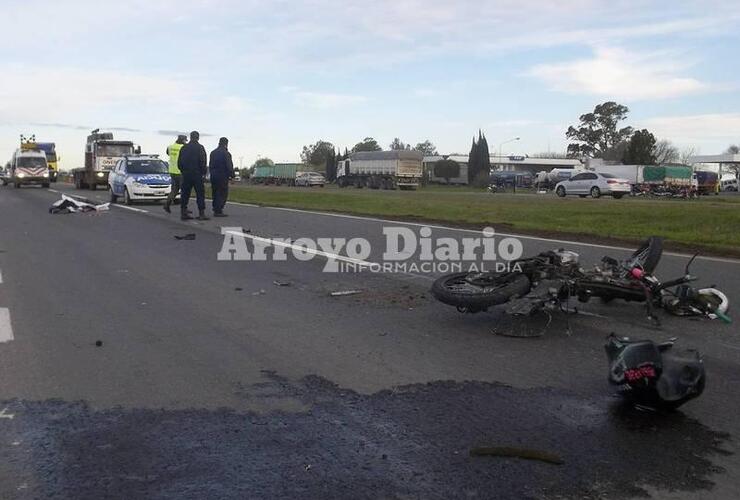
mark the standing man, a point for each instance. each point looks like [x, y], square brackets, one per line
[222, 169]
[173, 150]
[193, 164]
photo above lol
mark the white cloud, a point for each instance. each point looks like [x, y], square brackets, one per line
[27, 93]
[620, 74]
[325, 100]
[693, 129]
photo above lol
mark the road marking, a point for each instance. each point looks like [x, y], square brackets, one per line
[53, 191]
[3, 414]
[476, 231]
[6, 331]
[131, 208]
[310, 251]
[320, 253]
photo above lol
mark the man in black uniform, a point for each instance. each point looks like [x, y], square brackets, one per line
[222, 169]
[193, 164]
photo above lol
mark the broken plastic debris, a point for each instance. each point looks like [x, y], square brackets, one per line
[345, 292]
[189, 236]
[282, 283]
[69, 205]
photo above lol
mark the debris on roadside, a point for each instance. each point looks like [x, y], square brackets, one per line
[525, 453]
[98, 343]
[342, 293]
[238, 289]
[189, 236]
[282, 283]
[262, 291]
[69, 205]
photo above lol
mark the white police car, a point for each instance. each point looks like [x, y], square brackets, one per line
[139, 177]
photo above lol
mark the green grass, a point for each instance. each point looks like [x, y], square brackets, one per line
[710, 223]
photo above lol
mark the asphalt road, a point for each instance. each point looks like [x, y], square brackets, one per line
[211, 381]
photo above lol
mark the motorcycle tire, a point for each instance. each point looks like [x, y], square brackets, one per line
[648, 254]
[493, 289]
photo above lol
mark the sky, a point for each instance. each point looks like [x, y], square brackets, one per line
[276, 75]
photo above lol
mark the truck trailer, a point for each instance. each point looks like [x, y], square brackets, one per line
[279, 173]
[101, 155]
[381, 170]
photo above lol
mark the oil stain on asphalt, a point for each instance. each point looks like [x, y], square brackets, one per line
[410, 442]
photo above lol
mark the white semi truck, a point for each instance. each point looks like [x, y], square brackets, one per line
[381, 170]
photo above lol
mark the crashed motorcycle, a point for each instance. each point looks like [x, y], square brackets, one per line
[654, 375]
[549, 280]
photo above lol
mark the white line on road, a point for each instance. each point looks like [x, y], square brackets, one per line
[131, 208]
[320, 253]
[6, 331]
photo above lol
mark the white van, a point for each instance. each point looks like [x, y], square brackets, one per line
[29, 167]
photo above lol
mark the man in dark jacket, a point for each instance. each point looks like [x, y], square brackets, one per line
[193, 164]
[222, 169]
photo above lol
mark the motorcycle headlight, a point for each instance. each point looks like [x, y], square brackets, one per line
[100, 174]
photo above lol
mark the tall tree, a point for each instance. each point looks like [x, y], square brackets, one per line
[473, 162]
[641, 149]
[315, 154]
[367, 144]
[398, 145]
[484, 154]
[598, 131]
[331, 165]
[733, 149]
[426, 148]
[665, 152]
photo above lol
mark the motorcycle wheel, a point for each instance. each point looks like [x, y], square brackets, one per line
[648, 254]
[479, 291]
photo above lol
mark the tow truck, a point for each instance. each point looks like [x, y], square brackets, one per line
[102, 152]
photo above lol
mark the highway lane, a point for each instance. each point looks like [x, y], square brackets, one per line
[211, 381]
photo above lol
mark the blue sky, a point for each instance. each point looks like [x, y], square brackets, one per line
[275, 75]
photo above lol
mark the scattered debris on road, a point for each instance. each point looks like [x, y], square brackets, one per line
[525, 453]
[189, 236]
[262, 291]
[98, 343]
[342, 293]
[69, 205]
[282, 283]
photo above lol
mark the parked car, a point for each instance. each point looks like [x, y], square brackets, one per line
[309, 179]
[139, 177]
[594, 184]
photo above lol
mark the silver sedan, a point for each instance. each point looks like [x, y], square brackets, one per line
[594, 184]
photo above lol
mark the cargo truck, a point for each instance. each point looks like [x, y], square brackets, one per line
[101, 155]
[279, 173]
[50, 149]
[381, 170]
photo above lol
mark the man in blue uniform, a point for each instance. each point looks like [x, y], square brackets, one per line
[192, 163]
[222, 169]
